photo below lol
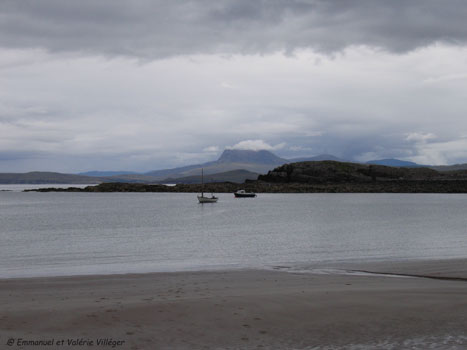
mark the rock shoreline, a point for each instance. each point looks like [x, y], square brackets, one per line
[402, 186]
[314, 177]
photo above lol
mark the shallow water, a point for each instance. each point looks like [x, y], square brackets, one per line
[44, 234]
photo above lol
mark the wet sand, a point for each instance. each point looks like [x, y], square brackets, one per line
[249, 309]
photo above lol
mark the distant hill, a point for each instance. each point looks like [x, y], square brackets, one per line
[395, 163]
[39, 177]
[454, 167]
[106, 173]
[236, 176]
[259, 162]
[253, 162]
[338, 172]
[315, 177]
[247, 156]
[315, 158]
[163, 173]
[133, 178]
[403, 163]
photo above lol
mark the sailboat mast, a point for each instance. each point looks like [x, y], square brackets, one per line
[202, 183]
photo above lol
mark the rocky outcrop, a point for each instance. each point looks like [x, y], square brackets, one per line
[340, 172]
[397, 186]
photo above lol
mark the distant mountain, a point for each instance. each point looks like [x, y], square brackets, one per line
[174, 171]
[258, 162]
[251, 163]
[395, 163]
[318, 158]
[106, 173]
[40, 177]
[237, 176]
[246, 156]
[454, 167]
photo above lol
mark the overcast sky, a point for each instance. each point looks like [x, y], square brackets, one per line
[143, 85]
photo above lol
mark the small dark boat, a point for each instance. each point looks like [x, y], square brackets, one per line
[243, 194]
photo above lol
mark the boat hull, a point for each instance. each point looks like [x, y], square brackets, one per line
[202, 199]
[245, 195]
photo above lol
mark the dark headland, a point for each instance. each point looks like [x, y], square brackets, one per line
[315, 177]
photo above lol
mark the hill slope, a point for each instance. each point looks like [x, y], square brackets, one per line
[236, 176]
[257, 162]
[39, 177]
[454, 167]
[338, 172]
[317, 177]
[253, 161]
[395, 163]
[246, 156]
[315, 158]
[106, 173]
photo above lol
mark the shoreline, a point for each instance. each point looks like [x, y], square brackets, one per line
[245, 309]
[256, 186]
[411, 267]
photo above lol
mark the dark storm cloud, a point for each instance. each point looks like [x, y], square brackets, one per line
[161, 28]
[234, 74]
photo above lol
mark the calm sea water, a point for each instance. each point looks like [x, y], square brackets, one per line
[44, 234]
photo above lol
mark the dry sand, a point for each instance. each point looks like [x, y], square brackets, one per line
[249, 309]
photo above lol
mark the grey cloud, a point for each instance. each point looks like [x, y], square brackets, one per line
[16, 155]
[153, 29]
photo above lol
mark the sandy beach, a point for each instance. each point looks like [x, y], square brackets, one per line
[247, 309]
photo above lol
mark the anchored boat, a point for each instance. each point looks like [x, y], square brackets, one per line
[244, 194]
[203, 198]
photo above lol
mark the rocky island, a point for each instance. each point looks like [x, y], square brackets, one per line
[315, 177]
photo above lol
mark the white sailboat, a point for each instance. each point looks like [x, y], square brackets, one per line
[202, 198]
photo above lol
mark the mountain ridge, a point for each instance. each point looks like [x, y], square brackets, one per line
[235, 176]
[97, 173]
[395, 163]
[315, 177]
[257, 162]
[47, 177]
[231, 159]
